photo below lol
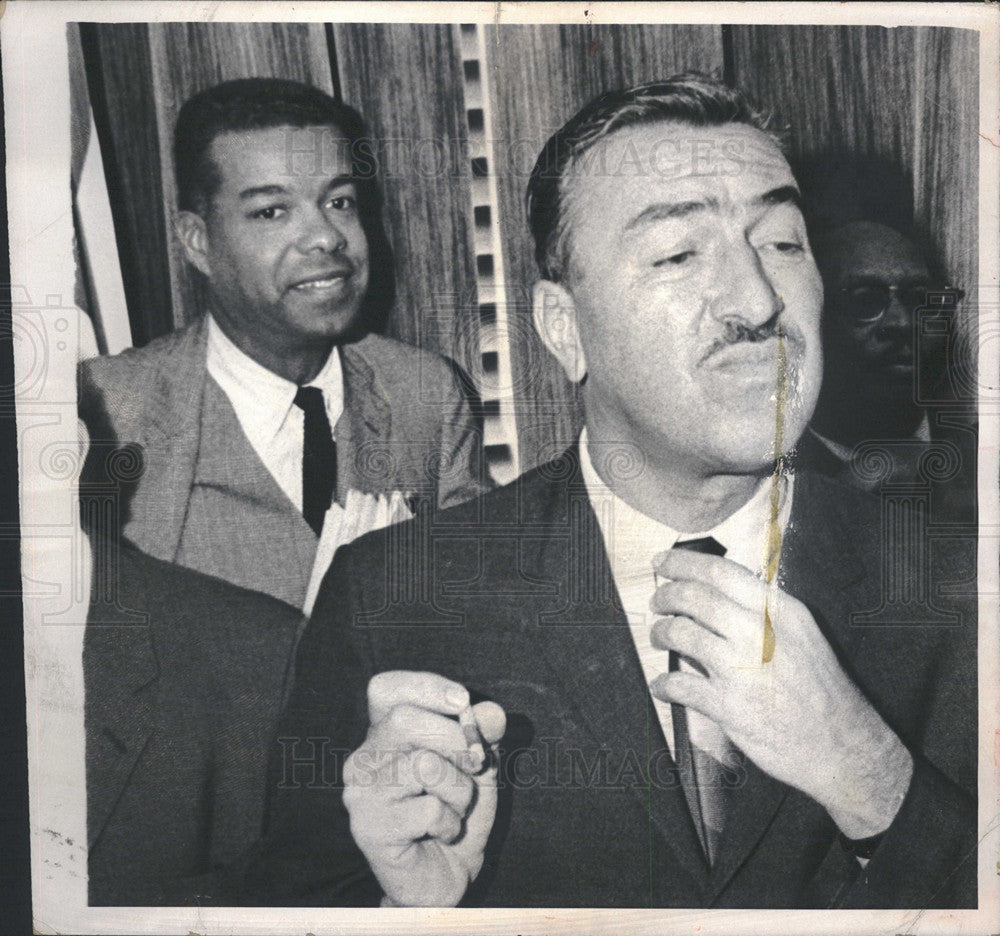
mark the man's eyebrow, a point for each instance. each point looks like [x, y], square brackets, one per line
[274, 189]
[663, 211]
[262, 190]
[783, 195]
[344, 178]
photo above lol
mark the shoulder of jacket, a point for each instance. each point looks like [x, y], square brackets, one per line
[136, 363]
[383, 350]
[406, 372]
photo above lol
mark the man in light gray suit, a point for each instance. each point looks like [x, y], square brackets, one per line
[251, 426]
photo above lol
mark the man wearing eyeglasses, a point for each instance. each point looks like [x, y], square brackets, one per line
[886, 411]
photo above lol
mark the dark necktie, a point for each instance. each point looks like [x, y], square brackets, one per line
[701, 773]
[319, 457]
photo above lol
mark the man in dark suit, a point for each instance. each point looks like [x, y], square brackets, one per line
[279, 403]
[659, 670]
[184, 677]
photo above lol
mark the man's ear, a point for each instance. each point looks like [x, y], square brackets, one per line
[193, 235]
[555, 322]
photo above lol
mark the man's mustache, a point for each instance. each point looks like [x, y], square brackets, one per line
[736, 331]
[901, 353]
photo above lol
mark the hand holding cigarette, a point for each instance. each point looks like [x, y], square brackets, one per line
[421, 789]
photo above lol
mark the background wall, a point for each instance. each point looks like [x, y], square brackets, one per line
[463, 111]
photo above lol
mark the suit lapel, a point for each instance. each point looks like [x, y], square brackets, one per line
[750, 809]
[171, 428]
[821, 577]
[363, 431]
[589, 649]
[822, 564]
[237, 493]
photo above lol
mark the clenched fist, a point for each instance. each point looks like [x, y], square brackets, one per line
[420, 792]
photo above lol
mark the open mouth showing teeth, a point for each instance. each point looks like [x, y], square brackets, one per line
[317, 284]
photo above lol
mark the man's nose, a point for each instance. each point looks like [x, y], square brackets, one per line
[321, 232]
[744, 291]
[897, 316]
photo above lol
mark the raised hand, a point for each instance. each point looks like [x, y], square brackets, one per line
[421, 797]
[775, 686]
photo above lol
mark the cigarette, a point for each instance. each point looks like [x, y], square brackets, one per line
[471, 731]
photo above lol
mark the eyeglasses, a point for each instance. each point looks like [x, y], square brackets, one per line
[867, 304]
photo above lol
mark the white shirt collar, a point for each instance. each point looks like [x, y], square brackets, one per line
[262, 399]
[632, 539]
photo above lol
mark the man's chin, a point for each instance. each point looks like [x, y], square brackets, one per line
[340, 324]
[757, 452]
[353, 329]
[894, 383]
[768, 412]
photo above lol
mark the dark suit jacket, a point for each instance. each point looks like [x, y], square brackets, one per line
[184, 679]
[945, 466]
[512, 596]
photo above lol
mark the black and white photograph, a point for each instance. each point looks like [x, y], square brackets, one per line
[507, 468]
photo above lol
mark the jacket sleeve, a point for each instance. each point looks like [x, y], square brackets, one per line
[307, 856]
[927, 857]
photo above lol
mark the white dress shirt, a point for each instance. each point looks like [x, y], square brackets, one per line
[264, 405]
[275, 426]
[632, 540]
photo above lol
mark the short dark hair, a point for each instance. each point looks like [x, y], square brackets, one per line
[690, 98]
[246, 104]
[263, 103]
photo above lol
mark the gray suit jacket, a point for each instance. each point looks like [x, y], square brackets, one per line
[166, 444]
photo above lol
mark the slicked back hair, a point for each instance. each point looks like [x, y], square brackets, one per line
[690, 98]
